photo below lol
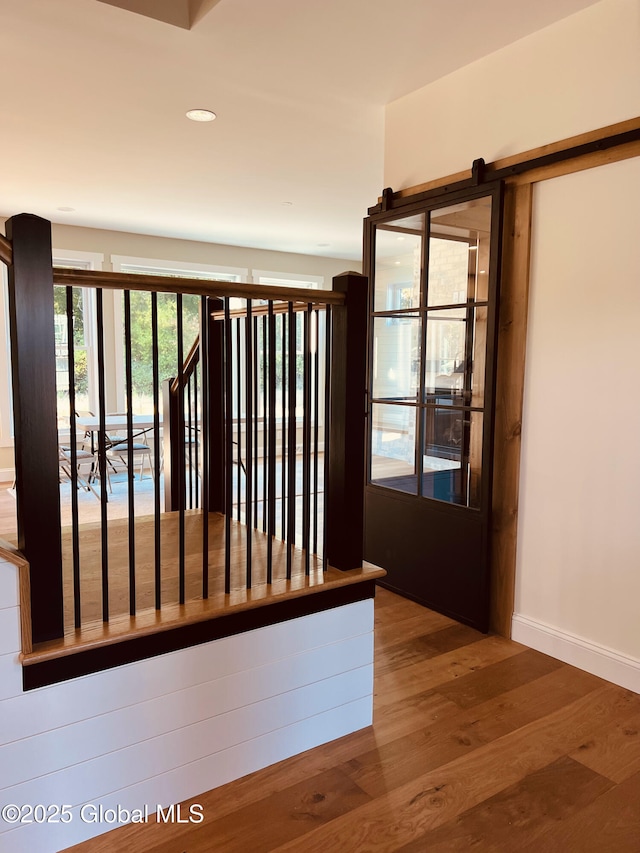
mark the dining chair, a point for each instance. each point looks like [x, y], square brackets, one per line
[65, 466]
[140, 451]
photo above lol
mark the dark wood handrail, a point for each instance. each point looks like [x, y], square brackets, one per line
[193, 357]
[203, 287]
[263, 310]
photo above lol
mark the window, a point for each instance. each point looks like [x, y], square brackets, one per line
[285, 279]
[141, 344]
[180, 269]
[84, 312]
[315, 282]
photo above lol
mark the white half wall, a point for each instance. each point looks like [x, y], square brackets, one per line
[578, 561]
[163, 730]
[574, 76]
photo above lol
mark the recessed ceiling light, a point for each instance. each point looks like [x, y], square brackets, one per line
[66, 209]
[397, 263]
[286, 203]
[201, 115]
[400, 238]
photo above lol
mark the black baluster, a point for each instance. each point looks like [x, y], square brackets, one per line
[306, 437]
[240, 466]
[228, 437]
[248, 437]
[327, 420]
[256, 491]
[264, 423]
[156, 450]
[291, 503]
[102, 457]
[204, 360]
[130, 468]
[180, 438]
[316, 428]
[272, 441]
[73, 451]
[283, 425]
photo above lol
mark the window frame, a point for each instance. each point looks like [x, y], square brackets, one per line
[85, 261]
[288, 279]
[60, 257]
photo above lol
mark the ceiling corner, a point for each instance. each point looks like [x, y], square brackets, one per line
[198, 9]
[174, 12]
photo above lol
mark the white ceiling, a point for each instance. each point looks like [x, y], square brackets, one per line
[94, 101]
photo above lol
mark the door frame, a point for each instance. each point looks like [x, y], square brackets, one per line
[399, 209]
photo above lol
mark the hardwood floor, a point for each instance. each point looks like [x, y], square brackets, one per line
[119, 555]
[95, 632]
[478, 743]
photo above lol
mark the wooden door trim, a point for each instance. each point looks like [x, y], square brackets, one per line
[587, 161]
[512, 328]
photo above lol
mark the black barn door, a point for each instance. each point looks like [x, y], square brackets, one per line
[434, 270]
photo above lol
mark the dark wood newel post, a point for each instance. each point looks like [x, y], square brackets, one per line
[345, 492]
[33, 369]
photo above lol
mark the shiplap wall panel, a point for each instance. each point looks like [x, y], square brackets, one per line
[191, 779]
[52, 751]
[8, 585]
[165, 729]
[10, 677]
[62, 704]
[92, 780]
[10, 640]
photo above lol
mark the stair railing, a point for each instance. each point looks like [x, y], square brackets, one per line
[274, 391]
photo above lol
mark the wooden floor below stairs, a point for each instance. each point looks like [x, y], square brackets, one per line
[477, 744]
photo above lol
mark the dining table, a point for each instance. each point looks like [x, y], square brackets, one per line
[116, 423]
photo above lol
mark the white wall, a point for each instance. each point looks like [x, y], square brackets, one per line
[169, 728]
[192, 251]
[577, 576]
[574, 76]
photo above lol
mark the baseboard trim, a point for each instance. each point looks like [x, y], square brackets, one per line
[7, 475]
[596, 659]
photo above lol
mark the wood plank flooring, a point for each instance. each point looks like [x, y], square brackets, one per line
[90, 552]
[119, 537]
[478, 743]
